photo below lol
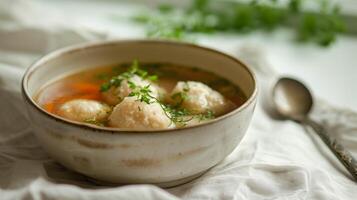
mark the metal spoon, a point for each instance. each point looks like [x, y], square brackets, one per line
[292, 100]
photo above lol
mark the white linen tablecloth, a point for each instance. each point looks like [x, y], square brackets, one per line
[275, 160]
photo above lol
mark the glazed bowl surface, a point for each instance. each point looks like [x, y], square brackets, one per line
[163, 157]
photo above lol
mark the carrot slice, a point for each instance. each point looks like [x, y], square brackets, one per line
[80, 90]
[49, 107]
[85, 87]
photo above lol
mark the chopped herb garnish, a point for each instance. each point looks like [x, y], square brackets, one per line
[206, 116]
[175, 113]
[134, 69]
[113, 82]
[180, 97]
[153, 78]
[94, 122]
[142, 94]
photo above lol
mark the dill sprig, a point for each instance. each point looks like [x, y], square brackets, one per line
[176, 113]
[142, 94]
[133, 70]
[180, 97]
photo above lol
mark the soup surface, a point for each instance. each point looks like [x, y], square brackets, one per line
[141, 96]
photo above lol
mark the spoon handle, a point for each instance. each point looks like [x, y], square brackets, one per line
[340, 152]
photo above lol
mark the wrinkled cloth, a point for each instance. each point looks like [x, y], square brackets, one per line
[275, 160]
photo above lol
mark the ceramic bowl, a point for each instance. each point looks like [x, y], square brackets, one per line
[162, 157]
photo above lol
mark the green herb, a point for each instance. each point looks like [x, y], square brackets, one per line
[160, 29]
[142, 94]
[153, 78]
[134, 69]
[175, 113]
[321, 29]
[206, 16]
[165, 8]
[113, 82]
[206, 116]
[94, 122]
[295, 5]
[180, 97]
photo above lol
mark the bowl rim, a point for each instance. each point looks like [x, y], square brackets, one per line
[80, 47]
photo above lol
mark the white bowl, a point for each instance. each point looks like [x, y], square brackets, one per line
[163, 157]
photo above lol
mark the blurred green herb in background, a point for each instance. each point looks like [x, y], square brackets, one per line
[207, 16]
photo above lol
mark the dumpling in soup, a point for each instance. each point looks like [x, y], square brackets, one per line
[199, 98]
[132, 113]
[116, 94]
[83, 109]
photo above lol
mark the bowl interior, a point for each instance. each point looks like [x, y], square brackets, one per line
[66, 61]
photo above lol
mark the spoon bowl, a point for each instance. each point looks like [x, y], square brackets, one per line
[292, 99]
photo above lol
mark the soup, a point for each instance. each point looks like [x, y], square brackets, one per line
[141, 96]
